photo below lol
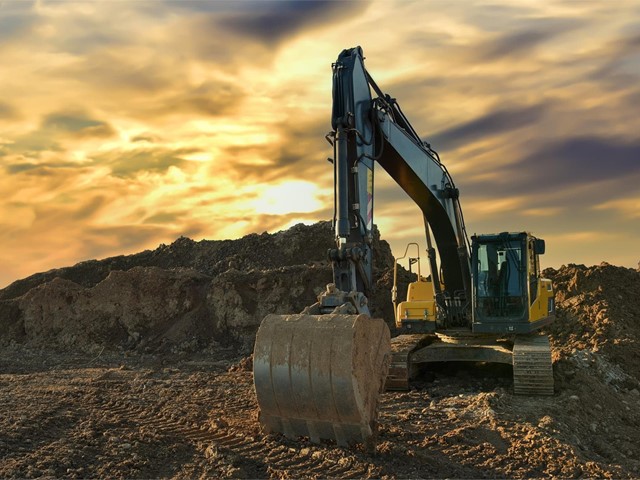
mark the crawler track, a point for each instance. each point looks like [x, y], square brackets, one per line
[532, 368]
[401, 371]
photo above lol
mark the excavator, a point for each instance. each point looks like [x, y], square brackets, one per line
[320, 373]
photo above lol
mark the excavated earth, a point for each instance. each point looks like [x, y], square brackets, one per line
[140, 367]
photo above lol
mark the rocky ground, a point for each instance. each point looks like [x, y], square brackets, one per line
[140, 367]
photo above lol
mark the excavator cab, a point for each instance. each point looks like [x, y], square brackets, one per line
[510, 302]
[508, 294]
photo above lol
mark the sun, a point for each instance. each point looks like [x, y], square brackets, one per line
[295, 196]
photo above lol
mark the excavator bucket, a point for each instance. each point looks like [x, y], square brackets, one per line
[320, 375]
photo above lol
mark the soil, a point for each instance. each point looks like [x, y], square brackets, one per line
[181, 296]
[145, 372]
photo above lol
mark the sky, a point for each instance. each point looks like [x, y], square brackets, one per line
[127, 124]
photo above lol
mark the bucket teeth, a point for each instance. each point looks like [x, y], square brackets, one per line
[320, 375]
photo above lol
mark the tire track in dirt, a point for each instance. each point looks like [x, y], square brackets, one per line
[220, 441]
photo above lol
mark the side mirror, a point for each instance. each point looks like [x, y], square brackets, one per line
[538, 247]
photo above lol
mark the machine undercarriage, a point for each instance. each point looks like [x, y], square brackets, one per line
[529, 355]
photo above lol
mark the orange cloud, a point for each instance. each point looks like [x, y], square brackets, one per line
[125, 124]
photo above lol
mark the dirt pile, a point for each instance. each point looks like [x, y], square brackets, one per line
[299, 245]
[181, 296]
[596, 349]
[598, 322]
[599, 310]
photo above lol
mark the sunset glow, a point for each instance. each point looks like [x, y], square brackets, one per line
[124, 125]
[288, 197]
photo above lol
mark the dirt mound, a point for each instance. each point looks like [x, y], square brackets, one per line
[299, 245]
[595, 340]
[598, 311]
[181, 296]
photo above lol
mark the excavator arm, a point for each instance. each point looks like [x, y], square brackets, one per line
[369, 131]
[354, 148]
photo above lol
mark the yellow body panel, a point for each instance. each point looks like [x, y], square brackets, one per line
[422, 290]
[420, 304]
[539, 309]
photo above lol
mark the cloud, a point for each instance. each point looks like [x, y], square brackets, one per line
[55, 131]
[90, 207]
[211, 98]
[256, 30]
[300, 149]
[7, 111]
[270, 223]
[271, 22]
[127, 238]
[150, 120]
[89, 33]
[164, 217]
[629, 206]
[492, 17]
[523, 40]
[588, 236]
[33, 144]
[37, 168]
[119, 73]
[16, 21]
[489, 125]
[619, 62]
[146, 137]
[512, 44]
[543, 212]
[77, 124]
[565, 171]
[148, 88]
[128, 164]
[576, 160]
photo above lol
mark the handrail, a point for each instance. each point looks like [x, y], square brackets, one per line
[394, 290]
